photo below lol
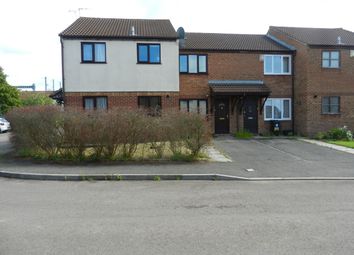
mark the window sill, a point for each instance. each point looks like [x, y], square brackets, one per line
[82, 62]
[278, 120]
[277, 74]
[330, 68]
[330, 114]
[193, 73]
[148, 63]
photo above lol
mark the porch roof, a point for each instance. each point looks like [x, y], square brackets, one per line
[58, 95]
[239, 87]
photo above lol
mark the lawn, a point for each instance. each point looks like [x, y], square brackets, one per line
[349, 144]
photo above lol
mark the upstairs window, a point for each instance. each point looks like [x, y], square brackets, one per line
[95, 103]
[330, 59]
[277, 64]
[193, 63]
[330, 105]
[93, 52]
[149, 53]
[277, 109]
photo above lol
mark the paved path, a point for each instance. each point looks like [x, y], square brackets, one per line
[286, 157]
[5, 145]
[268, 158]
[277, 218]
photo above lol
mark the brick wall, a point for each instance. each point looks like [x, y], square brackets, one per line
[312, 82]
[117, 99]
[235, 66]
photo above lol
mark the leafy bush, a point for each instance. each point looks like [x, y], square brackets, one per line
[189, 131]
[244, 134]
[339, 134]
[320, 136]
[34, 98]
[9, 96]
[38, 128]
[335, 134]
[54, 133]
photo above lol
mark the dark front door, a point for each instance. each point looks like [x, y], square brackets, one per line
[250, 115]
[221, 115]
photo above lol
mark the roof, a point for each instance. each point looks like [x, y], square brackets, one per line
[318, 36]
[85, 27]
[58, 96]
[239, 87]
[243, 42]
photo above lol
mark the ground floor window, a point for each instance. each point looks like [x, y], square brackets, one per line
[194, 105]
[330, 105]
[277, 109]
[95, 103]
[150, 103]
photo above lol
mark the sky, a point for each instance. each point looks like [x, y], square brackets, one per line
[30, 45]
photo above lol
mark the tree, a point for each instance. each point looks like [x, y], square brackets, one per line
[36, 99]
[9, 96]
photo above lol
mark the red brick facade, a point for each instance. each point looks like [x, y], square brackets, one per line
[306, 87]
[236, 66]
[221, 66]
[312, 83]
[122, 99]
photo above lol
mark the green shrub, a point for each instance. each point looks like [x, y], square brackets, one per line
[38, 129]
[53, 133]
[321, 136]
[337, 134]
[243, 134]
[34, 98]
[195, 133]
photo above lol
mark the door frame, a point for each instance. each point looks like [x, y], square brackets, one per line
[226, 100]
[247, 100]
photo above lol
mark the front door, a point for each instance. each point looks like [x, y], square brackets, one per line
[250, 115]
[221, 115]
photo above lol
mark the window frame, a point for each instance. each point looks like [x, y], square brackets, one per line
[282, 65]
[329, 105]
[93, 53]
[94, 102]
[148, 108]
[198, 55]
[198, 99]
[148, 53]
[330, 59]
[282, 109]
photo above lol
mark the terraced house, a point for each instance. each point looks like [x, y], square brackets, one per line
[236, 81]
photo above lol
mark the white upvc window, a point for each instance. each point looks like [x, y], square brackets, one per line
[277, 109]
[277, 64]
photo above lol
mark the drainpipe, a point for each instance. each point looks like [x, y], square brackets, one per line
[293, 91]
[62, 69]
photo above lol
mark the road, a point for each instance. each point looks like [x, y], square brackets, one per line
[176, 217]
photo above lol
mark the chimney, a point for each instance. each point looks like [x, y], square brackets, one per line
[132, 31]
[339, 40]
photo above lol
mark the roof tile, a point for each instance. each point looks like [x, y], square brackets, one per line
[318, 36]
[246, 42]
[85, 27]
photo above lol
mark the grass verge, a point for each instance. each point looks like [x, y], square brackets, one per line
[243, 134]
[348, 144]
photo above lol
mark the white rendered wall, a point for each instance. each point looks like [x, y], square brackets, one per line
[121, 73]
